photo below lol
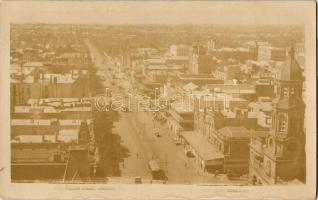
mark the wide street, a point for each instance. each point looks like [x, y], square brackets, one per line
[136, 130]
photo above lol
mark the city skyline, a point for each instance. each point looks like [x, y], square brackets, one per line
[204, 13]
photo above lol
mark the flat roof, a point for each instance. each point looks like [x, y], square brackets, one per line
[235, 132]
[72, 122]
[80, 109]
[28, 109]
[33, 64]
[196, 76]
[30, 122]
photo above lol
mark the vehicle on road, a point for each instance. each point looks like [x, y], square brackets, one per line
[156, 172]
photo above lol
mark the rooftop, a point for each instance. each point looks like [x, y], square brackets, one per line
[59, 78]
[30, 122]
[262, 106]
[66, 136]
[235, 132]
[33, 64]
[72, 122]
[34, 109]
[195, 75]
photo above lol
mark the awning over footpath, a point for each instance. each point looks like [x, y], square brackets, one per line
[205, 150]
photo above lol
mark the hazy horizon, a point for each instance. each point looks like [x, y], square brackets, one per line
[157, 12]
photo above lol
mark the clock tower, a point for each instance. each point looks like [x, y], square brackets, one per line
[286, 140]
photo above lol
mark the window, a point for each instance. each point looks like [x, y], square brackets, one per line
[292, 91]
[282, 123]
[268, 120]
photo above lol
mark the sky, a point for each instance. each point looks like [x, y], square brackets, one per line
[158, 12]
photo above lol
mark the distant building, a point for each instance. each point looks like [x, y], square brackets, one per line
[72, 55]
[267, 53]
[198, 49]
[180, 50]
[241, 54]
[211, 45]
[228, 72]
[203, 64]
[178, 60]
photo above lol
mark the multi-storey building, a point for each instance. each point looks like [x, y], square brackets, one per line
[228, 72]
[180, 118]
[266, 53]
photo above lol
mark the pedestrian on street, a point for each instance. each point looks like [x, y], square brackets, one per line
[137, 155]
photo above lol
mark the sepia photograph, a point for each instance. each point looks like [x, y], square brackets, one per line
[159, 94]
